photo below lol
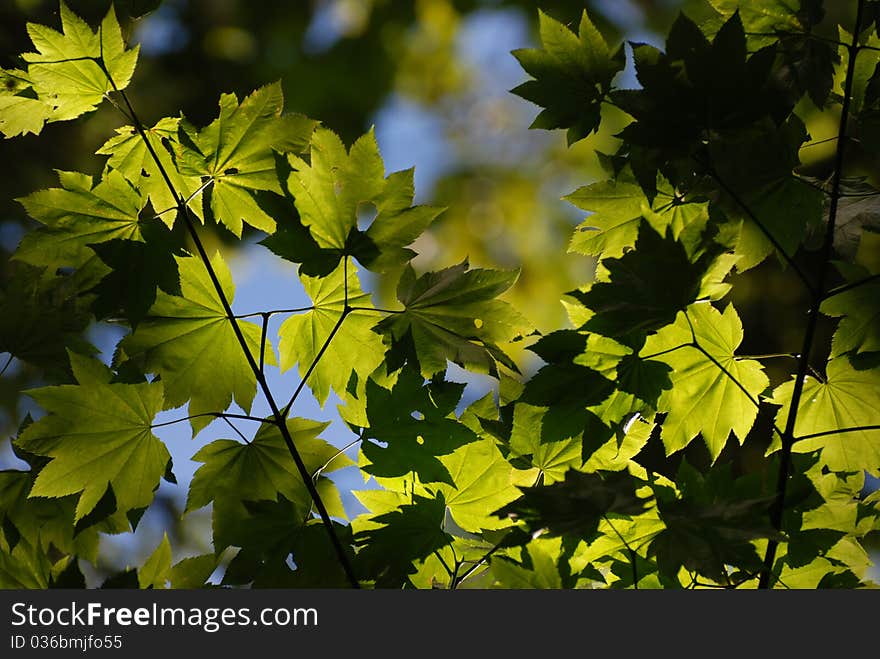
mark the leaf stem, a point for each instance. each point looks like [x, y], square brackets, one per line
[216, 415]
[378, 310]
[667, 351]
[848, 287]
[311, 368]
[272, 312]
[813, 320]
[837, 431]
[237, 431]
[320, 469]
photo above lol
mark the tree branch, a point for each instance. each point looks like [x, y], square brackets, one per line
[778, 508]
[258, 374]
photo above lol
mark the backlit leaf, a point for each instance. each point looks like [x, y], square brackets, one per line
[354, 348]
[847, 399]
[703, 399]
[98, 435]
[190, 342]
[454, 315]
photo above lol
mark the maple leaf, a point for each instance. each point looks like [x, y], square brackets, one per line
[859, 328]
[619, 206]
[848, 398]
[635, 300]
[236, 151]
[230, 468]
[189, 341]
[415, 424]
[568, 67]
[72, 70]
[335, 185]
[78, 214]
[414, 529]
[98, 436]
[453, 315]
[483, 481]
[703, 399]
[354, 348]
[128, 154]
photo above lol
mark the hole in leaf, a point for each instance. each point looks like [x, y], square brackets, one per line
[420, 440]
[478, 322]
[366, 213]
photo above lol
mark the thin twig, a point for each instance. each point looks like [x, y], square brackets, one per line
[216, 415]
[240, 434]
[302, 382]
[838, 431]
[848, 287]
[272, 312]
[6, 365]
[263, 328]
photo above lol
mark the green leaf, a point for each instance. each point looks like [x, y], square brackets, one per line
[190, 343]
[128, 154]
[98, 435]
[635, 300]
[193, 572]
[703, 399]
[43, 525]
[335, 185]
[237, 152]
[137, 270]
[543, 573]
[329, 188]
[577, 504]
[453, 315]
[414, 421]
[764, 18]
[859, 328]
[65, 72]
[712, 524]
[614, 225]
[572, 74]
[393, 541]
[262, 469]
[156, 570]
[847, 399]
[484, 481]
[554, 457]
[20, 114]
[354, 348]
[78, 214]
[618, 208]
[40, 317]
[398, 223]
